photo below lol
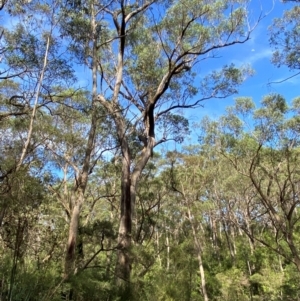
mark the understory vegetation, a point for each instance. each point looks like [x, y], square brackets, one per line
[92, 206]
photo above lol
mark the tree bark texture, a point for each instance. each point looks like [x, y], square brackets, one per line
[123, 266]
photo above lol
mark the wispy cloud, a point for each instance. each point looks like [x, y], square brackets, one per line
[256, 56]
[252, 56]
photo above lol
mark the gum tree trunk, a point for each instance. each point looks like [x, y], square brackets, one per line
[81, 181]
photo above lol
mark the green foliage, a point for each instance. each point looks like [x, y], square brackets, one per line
[98, 286]
[32, 282]
[221, 216]
[234, 285]
[174, 126]
[284, 37]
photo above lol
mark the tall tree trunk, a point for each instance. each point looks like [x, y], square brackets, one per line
[72, 239]
[199, 255]
[35, 106]
[129, 183]
[81, 180]
[123, 266]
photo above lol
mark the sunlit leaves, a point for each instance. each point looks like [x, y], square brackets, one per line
[173, 127]
[21, 49]
[244, 105]
[224, 82]
[285, 38]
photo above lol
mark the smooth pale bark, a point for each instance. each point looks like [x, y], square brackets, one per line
[157, 237]
[197, 243]
[146, 99]
[34, 110]
[198, 246]
[77, 200]
[168, 250]
[72, 239]
[82, 177]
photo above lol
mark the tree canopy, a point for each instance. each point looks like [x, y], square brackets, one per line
[91, 206]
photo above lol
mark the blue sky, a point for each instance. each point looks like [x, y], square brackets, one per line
[258, 53]
[255, 52]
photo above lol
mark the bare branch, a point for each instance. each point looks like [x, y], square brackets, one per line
[284, 80]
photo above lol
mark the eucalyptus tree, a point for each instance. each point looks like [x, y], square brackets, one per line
[27, 55]
[190, 181]
[266, 154]
[32, 58]
[146, 54]
[40, 59]
[284, 38]
[66, 139]
[33, 64]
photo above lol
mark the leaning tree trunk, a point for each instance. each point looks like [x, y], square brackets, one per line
[82, 177]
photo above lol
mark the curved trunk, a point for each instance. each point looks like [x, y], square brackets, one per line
[82, 176]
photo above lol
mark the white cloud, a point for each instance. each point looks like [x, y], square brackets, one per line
[252, 56]
[259, 55]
